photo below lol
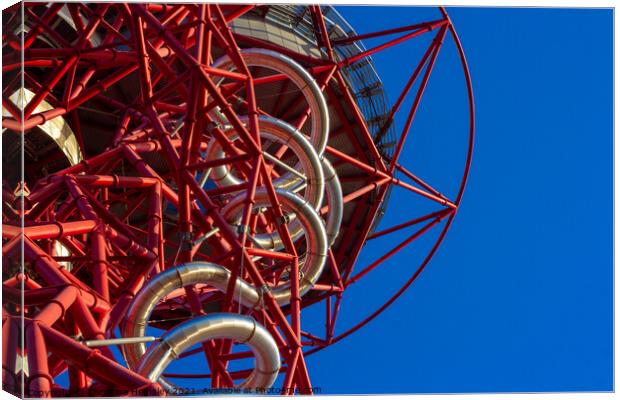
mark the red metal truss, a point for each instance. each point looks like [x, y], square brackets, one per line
[81, 241]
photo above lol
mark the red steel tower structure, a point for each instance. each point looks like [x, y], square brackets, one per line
[194, 176]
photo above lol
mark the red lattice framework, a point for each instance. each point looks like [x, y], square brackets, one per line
[108, 211]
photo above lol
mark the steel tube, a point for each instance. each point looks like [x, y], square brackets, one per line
[39, 379]
[334, 201]
[240, 328]
[300, 77]
[117, 341]
[174, 278]
[311, 225]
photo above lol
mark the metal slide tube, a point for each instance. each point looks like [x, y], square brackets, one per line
[334, 200]
[164, 283]
[223, 175]
[301, 78]
[217, 276]
[311, 224]
[240, 328]
[278, 131]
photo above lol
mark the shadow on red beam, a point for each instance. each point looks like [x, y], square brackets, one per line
[56, 230]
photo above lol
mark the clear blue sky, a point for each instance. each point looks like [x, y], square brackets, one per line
[519, 296]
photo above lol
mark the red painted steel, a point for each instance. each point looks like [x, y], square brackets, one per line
[93, 233]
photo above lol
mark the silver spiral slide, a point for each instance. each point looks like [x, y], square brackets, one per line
[319, 114]
[241, 328]
[279, 131]
[313, 176]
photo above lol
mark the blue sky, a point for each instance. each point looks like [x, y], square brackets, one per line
[519, 296]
